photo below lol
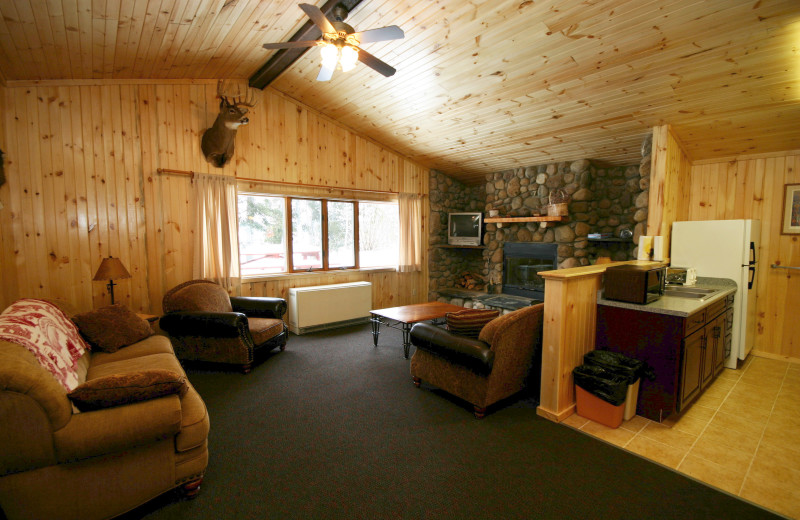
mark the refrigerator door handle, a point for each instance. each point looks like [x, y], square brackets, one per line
[752, 266]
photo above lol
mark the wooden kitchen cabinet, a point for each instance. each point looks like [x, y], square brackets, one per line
[686, 352]
[692, 366]
[702, 351]
[718, 339]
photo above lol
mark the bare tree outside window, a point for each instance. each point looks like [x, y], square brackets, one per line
[378, 234]
[306, 234]
[341, 235]
[262, 234]
[264, 245]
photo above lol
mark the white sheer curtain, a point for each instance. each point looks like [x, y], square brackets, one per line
[410, 205]
[216, 242]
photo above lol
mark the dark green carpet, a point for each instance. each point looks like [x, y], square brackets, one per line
[334, 428]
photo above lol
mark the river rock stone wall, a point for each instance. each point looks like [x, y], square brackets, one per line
[447, 265]
[643, 199]
[603, 200]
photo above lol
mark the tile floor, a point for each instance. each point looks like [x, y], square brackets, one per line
[742, 435]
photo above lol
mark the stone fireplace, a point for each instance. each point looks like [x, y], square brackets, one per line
[604, 200]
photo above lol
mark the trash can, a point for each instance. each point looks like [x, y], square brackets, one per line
[632, 369]
[600, 394]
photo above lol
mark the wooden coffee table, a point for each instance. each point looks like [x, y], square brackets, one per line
[404, 316]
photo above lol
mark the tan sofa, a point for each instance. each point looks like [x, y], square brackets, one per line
[57, 462]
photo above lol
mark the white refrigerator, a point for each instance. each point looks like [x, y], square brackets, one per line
[724, 249]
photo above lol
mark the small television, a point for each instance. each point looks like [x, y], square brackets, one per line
[465, 229]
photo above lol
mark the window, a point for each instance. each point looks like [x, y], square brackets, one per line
[262, 234]
[288, 234]
[306, 234]
[341, 235]
[378, 226]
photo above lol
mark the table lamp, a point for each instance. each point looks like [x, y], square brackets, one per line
[109, 269]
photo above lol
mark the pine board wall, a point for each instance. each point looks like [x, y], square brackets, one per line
[753, 188]
[82, 184]
[746, 187]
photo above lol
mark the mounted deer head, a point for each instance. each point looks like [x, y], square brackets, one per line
[217, 142]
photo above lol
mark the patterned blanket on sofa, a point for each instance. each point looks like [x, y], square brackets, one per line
[48, 334]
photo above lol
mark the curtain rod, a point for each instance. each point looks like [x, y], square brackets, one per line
[190, 173]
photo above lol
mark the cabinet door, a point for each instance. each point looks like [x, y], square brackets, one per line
[691, 366]
[709, 347]
[717, 338]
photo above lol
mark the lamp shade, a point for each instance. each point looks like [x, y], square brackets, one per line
[330, 55]
[349, 58]
[110, 269]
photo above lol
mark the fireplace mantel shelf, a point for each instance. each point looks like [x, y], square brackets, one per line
[511, 220]
[495, 220]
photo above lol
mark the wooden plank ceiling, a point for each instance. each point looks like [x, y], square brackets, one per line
[482, 86]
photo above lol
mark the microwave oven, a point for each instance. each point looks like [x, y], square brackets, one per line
[634, 283]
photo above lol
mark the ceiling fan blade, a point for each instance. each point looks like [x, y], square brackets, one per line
[374, 63]
[290, 45]
[325, 73]
[391, 32]
[318, 17]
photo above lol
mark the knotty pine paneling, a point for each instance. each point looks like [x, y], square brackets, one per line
[82, 185]
[534, 82]
[669, 174]
[752, 188]
[7, 257]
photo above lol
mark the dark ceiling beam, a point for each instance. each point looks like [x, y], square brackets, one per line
[284, 58]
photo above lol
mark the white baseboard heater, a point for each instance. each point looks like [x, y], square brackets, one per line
[327, 306]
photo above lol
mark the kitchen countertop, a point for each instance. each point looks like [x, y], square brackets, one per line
[675, 305]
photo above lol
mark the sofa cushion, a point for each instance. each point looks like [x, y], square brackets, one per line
[45, 331]
[112, 327]
[136, 364]
[111, 432]
[120, 389]
[264, 329]
[155, 344]
[469, 322]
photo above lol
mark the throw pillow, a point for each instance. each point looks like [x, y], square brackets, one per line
[110, 328]
[469, 322]
[115, 390]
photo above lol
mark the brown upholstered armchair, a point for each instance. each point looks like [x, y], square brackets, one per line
[486, 370]
[206, 324]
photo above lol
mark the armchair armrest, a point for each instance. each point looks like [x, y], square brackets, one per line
[201, 323]
[259, 307]
[471, 353]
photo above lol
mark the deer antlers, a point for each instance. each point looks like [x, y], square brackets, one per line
[236, 94]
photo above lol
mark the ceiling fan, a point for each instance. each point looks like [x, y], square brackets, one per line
[339, 42]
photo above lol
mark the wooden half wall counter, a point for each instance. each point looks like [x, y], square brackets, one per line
[570, 320]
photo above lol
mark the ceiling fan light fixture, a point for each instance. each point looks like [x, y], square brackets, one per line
[340, 45]
[349, 58]
[330, 55]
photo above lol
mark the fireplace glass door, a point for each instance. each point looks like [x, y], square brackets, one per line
[522, 263]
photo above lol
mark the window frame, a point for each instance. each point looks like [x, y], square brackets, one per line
[326, 235]
[289, 249]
